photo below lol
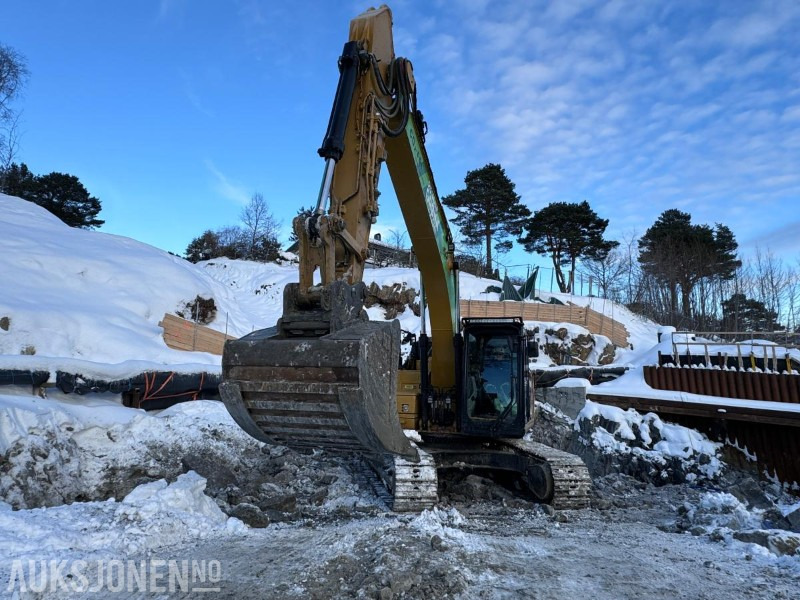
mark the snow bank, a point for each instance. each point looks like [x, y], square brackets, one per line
[91, 296]
[63, 449]
[153, 515]
[664, 451]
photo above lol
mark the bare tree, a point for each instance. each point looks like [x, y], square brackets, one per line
[261, 228]
[13, 74]
[471, 257]
[772, 280]
[608, 273]
[396, 239]
[9, 142]
[793, 310]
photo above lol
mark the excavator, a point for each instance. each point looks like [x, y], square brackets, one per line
[326, 377]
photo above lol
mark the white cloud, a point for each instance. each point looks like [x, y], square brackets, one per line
[635, 106]
[226, 188]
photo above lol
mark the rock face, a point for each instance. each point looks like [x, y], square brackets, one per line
[577, 346]
[569, 400]
[608, 447]
[393, 298]
[635, 451]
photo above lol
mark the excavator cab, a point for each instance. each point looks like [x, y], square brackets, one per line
[495, 392]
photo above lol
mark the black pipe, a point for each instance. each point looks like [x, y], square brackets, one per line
[333, 144]
[425, 391]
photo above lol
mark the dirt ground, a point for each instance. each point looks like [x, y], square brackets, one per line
[489, 550]
[319, 530]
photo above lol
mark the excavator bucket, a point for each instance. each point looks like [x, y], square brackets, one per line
[334, 392]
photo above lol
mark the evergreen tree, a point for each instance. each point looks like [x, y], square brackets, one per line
[66, 197]
[567, 232]
[234, 243]
[487, 209]
[62, 194]
[304, 212]
[266, 248]
[679, 254]
[204, 247]
[17, 180]
[740, 313]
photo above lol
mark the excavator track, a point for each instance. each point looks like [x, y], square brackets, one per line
[569, 482]
[414, 486]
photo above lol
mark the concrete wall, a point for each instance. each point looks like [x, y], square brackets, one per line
[569, 400]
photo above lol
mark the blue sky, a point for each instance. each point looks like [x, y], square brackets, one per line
[175, 112]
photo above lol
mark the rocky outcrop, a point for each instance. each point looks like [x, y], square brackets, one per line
[394, 299]
[569, 347]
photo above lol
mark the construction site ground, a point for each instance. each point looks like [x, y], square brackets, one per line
[499, 549]
[106, 483]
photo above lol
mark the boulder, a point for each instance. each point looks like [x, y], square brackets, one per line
[250, 515]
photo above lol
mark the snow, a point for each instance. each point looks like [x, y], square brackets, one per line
[92, 297]
[445, 523]
[154, 514]
[632, 384]
[573, 382]
[88, 302]
[630, 426]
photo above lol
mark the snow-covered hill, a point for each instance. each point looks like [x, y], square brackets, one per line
[84, 300]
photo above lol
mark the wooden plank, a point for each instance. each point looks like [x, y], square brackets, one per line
[181, 334]
[593, 320]
[174, 323]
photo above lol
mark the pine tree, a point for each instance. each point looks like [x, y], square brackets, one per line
[679, 254]
[740, 313]
[66, 197]
[17, 180]
[488, 209]
[62, 194]
[204, 247]
[567, 232]
[304, 212]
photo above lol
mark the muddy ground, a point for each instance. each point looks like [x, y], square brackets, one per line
[318, 529]
[630, 549]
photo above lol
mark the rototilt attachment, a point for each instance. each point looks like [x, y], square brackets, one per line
[325, 377]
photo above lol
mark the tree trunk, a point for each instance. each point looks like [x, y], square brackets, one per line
[572, 277]
[489, 270]
[562, 284]
[686, 302]
[673, 297]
